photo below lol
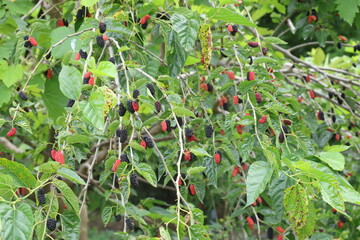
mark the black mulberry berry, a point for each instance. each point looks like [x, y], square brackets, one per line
[100, 41]
[117, 217]
[285, 129]
[112, 60]
[124, 158]
[70, 103]
[48, 55]
[148, 141]
[151, 88]
[136, 93]
[22, 95]
[180, 121]
[144, 25]
[129, 224]
[270, 233]
[122, 134]
[189, 132]
[342, 218]
[208, 131]
[41, 196]
[102, 27]
[158, 106]
[27, 43]
[122, 109]
[163, 16]
[51, 224]
[134, 180]
[83, 54]
[80, 13]
[281, 138]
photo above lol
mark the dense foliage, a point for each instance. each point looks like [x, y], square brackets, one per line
[193, 119]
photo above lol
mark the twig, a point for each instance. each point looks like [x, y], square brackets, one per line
[32, 10]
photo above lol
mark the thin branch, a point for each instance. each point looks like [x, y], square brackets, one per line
[146, 50]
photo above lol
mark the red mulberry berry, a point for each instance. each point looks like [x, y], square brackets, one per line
[258, 97]
[77, 56]
[334, 211]
[280, 229]
[250, 223]
[165, 125]
[340, 224]
[187, 156]
[253, 44]
[49, 74]
[280, 237]
[192, 190]
[143, 144]
[231, 75]
[250, 76]
[53, 154]
[311, 18]
[130, 106]
[342, 218]
[235, 171]
[33, 41]
[287, 122]
[179, 181]
[135, 105]
[105, 37]
[59, 157]
[204, 87]
[264, 51]
[263, 119]
[144, 19]
[144, 26]
[312, 94]
[239, 129]
[112, 60]
[217, 157]
[87, 74]
[116, 165]
[235, 100]
[91, 81]
[11, 132]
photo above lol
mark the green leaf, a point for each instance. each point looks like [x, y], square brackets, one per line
[194, 170]
[7, 187]
[68, 194]
[88, 3]
[245, 86]
[49, 167]
[199, 152]
[308, 170]
[40, 227]
[54, 100]
[332, 196]
[278, 107]
[275, 40]
[59, 34]
[93, 111]
[276, 193]
[70, 82]
[296, 206]
[21, 175]
[78, 138]
[321, 236]
[70, 223]
[260, 60]
[321, 36]
[334, 159]
[105, 68]
[336, 148]
[16, 223]
[176, 56]
[350, 195]
[70, 175]
[182, 112]
[186, 30]
[347, 9]
[259, 175]
[310, 224]
[106, 214]
[226, 15]
[10, 74]
[147, 172]
[164, 233]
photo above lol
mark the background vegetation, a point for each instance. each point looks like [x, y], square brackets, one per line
[193, 119]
